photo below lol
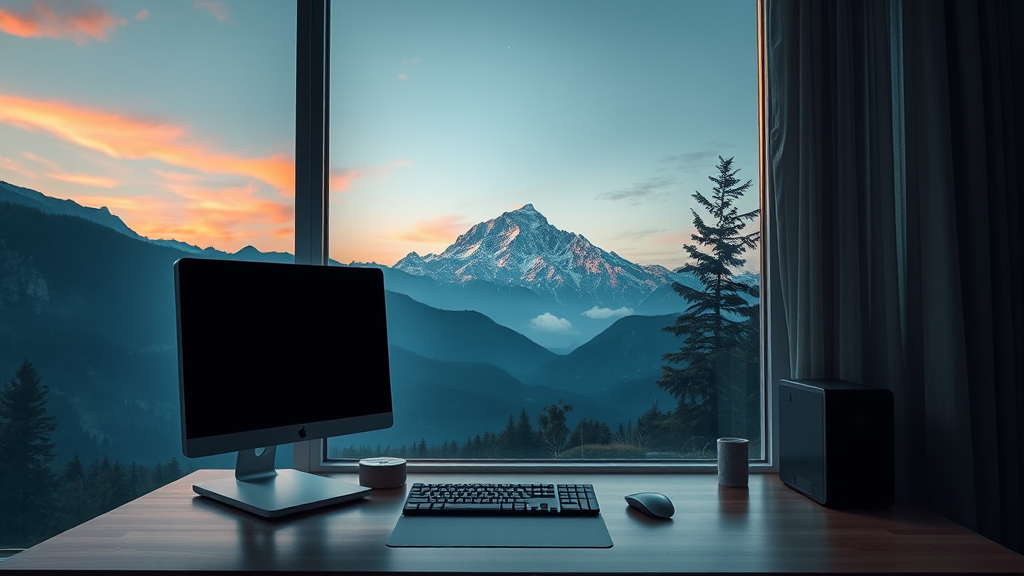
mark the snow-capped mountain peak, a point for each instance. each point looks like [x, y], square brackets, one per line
[521, 248]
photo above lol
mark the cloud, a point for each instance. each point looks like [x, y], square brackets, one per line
[16, 166]
[403, 76]
[135, 138]
[602, 313]
[79, 22]
[440, 229]
[343, 178]
[142, 14]
[548, 322]
[53, 166]
[58, 173]
[652, 189]
[218, 9]
[228, 218]
[86, 180]
[699, 161]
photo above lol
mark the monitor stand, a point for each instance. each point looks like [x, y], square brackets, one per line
[261, 489]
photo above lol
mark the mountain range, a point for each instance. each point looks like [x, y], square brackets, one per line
[91, 304]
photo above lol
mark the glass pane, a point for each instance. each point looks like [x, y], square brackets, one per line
[130, 136]
[524, 172]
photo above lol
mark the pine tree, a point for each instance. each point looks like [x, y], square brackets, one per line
[716, 325]
[27, 484]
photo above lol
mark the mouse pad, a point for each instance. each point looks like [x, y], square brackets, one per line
[490, 532]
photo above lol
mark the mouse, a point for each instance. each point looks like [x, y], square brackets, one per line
[653, 504]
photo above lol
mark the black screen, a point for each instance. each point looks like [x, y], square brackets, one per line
[263, 346]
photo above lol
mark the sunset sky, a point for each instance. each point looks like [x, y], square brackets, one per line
[179, 116]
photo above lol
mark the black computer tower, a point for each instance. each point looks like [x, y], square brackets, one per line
[836, 442]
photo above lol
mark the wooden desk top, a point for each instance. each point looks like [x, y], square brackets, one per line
[766, 528]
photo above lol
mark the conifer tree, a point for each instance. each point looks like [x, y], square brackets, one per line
[716, 325]
[27, 484]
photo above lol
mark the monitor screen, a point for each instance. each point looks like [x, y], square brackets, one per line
[271, 354]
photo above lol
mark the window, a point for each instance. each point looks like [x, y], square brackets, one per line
[130, 135]
[524, 173]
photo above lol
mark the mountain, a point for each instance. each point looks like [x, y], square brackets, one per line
[444, 400]
[627, 351]
[102, 216]
[520, 248]
[27, 197]
[465, 336]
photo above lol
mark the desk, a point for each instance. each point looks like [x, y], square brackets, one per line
[766, 528]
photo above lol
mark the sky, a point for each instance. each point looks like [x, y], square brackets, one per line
[179, 117]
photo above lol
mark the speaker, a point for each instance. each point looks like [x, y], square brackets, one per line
[836, 442]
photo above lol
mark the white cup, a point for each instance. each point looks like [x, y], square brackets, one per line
[733, 458]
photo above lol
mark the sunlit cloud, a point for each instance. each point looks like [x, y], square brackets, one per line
[444, 228]
[127, 137]
[79, 22]
[15, 166]
[53, 166]
[548, 322]
[653, 189]
[58, 173]
[403, 76]
[226, 218]
[142, 14]
[177, 177]
[86, 180]
[342, 179]
[218, 9]
[603, 313]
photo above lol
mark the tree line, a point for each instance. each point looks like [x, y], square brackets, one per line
[36, 501]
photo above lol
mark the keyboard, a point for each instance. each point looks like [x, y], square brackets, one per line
[550, 500]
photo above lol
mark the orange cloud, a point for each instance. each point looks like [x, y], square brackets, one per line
[48, 163]
[136, 138]
[142, 14]
[343, 178]
[12, 165]
[86, 179]
[218, 9]
[440, 229]
[79, 22]
[226, 218]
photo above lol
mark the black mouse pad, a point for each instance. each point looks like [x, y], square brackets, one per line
[490, 532]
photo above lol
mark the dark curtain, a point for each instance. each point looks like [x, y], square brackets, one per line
[894, 213]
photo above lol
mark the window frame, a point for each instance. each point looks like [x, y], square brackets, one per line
[312, 199]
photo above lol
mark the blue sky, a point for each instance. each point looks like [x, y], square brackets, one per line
[607, 116]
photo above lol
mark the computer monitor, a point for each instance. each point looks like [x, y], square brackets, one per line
[271, 354]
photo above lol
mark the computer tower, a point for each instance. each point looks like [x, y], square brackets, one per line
[836, 442]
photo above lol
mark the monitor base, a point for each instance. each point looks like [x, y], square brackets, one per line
[287, 492]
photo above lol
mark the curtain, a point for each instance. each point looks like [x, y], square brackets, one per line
[894, 213]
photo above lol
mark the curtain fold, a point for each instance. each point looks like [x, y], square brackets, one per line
[894, 147]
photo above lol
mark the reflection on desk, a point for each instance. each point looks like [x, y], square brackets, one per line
[765, 528]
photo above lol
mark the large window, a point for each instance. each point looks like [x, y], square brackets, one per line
[524, 172]
[131, 134]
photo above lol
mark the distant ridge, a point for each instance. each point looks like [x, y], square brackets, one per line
[102, 216]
